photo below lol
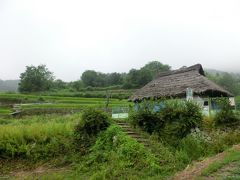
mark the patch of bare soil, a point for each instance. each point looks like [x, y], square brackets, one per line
[36, 172]
[20, 169]
[191, 172]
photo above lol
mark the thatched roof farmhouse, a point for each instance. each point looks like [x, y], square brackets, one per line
[174, 84]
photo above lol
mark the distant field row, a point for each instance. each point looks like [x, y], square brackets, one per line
[25, 98]
[46, 104]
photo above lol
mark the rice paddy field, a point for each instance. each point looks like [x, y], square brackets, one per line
[34, 103]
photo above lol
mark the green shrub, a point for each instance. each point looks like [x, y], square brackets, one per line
[146, 118]
[226, 115]
[172, 122]
[180, 117]
[93, 121]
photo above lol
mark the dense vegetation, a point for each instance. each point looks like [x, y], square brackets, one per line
[172, 120]
[40, 79]
[229, 81]
[93, 147]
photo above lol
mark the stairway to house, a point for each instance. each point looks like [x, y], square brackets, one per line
[132, 133]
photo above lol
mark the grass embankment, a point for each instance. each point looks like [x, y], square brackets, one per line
[48, 141]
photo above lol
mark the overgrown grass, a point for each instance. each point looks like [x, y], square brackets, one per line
[36, 138]
[113, 155]
[232, 155]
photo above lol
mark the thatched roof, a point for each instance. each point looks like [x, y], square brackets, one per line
[174, 84]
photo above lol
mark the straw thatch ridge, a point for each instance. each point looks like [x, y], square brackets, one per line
[174, 84]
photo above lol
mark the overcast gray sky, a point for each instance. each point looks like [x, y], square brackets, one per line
[114, 36]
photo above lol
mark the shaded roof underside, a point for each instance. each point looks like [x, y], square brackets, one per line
[175, 83]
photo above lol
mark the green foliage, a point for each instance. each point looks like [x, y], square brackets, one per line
[36, 138]
[174, 120]
[116, 155]
[146, 118]
[180, 117]
[93, 121]
[155, 67]
[229, 81]
[138, 78]
[225, 116]
[36, 79]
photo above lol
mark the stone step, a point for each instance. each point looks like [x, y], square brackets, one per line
[133, 134]
[125, 127]
[122, 124]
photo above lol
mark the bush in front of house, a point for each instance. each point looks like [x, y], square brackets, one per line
[173, 121]
[146, 118]
[226, 115]
[179, 117]
[93, 121]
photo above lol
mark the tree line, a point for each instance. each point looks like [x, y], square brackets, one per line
[228, 81]
[40, 78]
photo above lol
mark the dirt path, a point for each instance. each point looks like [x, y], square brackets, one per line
[196, 169]
[36, 172]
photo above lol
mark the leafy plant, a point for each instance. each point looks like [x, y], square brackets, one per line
[93, 121]
[180, 117]
[172, 119]
[226, 116]
[146, 118]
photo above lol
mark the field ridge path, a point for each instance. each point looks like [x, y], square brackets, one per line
[192, 172]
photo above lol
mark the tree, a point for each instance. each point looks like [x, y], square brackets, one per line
[93, 78]
[138, 78]
[77, 85]
[59, 84]
[36, 79]
[114, 79]
[230, 83]
[155, 67]
[89, 78]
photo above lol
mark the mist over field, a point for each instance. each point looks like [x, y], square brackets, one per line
[106, 36]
